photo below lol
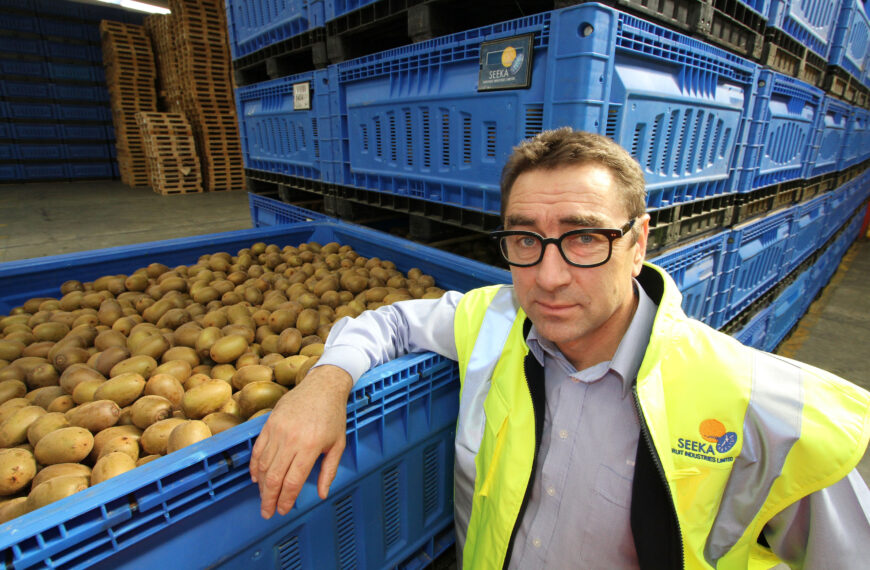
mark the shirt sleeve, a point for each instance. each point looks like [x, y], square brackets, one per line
[374, 337]
[827, 529]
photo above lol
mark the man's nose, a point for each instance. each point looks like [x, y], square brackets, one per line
[553, 270]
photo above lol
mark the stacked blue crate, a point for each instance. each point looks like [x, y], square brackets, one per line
[849, 48]
[755, 331]
[782, 131]
[757, 257]
[426, 121]
[254, 25]
[283, 132]
[830, 138]
[54, 89]
[811, 22]
[697, 269]
[806, 232]
[856, 148]
[787, 310]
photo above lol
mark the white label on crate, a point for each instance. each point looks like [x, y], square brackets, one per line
[506, 63]
[302, 96]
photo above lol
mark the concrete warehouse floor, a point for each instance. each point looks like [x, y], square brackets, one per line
[51, 218]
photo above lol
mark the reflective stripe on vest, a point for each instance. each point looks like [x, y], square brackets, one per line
[494, 330]
[771, 427]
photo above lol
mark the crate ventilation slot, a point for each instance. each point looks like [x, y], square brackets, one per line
[409, 151]
[466, 138]
[680, 140]
[612, 120]
[346, 531]
[490, 139]
[445, 138]
[379, 147]
[431, 468]
[534, 120]
[427, 139]
[315, 139]
[289, 554]
[394, 150]
[392, 509]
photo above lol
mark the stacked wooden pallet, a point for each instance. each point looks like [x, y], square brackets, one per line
[172, 162]
[161, 29]
[199, 32]
[130, 74]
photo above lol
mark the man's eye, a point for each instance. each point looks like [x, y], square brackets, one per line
[527, 241]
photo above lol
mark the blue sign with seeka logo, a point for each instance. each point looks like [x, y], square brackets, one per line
[506, 63]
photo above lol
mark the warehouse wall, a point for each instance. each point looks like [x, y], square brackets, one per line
[55, 119]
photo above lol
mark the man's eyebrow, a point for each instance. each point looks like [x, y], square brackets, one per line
[588, 221]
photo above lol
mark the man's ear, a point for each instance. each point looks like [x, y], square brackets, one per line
[642, 225]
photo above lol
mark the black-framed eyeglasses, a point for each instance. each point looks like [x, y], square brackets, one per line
[587, 247]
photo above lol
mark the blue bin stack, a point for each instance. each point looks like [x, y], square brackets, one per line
[55, 104]
[750, 123]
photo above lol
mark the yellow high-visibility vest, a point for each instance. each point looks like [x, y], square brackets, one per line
[739, 434]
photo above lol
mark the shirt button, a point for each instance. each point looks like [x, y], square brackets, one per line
[537, 543]
[563, 434]
[551, 491]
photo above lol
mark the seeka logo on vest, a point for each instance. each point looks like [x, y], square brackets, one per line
[715, 440]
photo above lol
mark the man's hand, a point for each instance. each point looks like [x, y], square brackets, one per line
[307, 421]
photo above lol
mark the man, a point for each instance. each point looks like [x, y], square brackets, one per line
[598, 426]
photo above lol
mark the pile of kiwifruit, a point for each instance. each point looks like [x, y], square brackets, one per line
[122, 370]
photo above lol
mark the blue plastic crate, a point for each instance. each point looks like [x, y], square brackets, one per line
[5, 130]
[837, 209]
[93, 132]
[42, 171]
[89, 170]
[70, 112]
[18, 22]
[23, 67]
[278, 136]
[81, 151]
[77, 30]
[849, 48]
[75, 72]
[18, 109]
[35, 131]
[414, 123]
[68, 50]
[393, 490]
[36, 151]
[20, 45]
[757, 257]
[807, 229]
[830, 138]
[810, 22]
[856, 147]
[17, 5]
[697, 269]
[335, 8]
[26, 89]
[754, 333]
[9, 172]
[268, 212]
[782, 131]
[77, 92]
[255, 24]
[62, 9]
[7, 152]
[787, 309]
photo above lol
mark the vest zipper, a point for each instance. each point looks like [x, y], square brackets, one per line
[644, 429]
[531, 481]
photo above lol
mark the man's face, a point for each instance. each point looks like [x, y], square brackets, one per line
[575, 306]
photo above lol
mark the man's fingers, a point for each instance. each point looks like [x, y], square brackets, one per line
[270, 483]
[294, 479]
[256, 451]
[328, 469]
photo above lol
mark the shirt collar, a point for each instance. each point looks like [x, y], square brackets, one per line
[628, 356]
